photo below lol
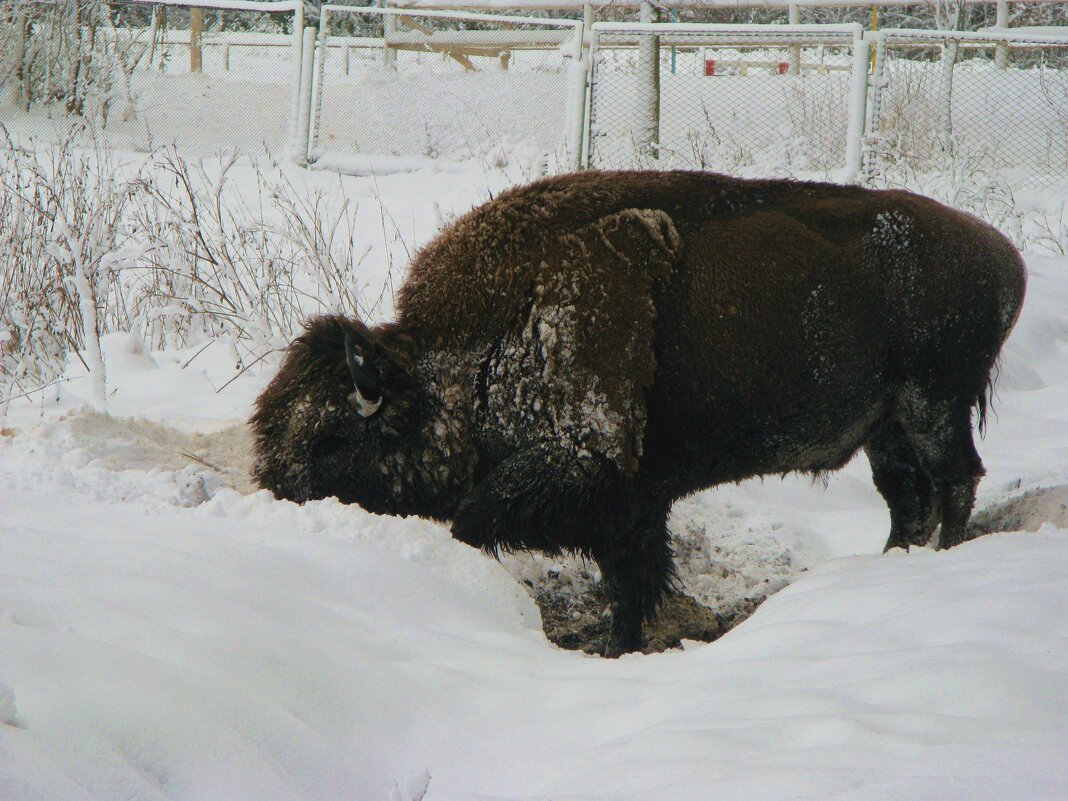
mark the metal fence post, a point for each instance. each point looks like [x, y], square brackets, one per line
[307, 75]
[648, 135]
[874, 106]
[949, 62]
[589, 128]
[793, 59]
[1001, 51]
[858, 102]
[577, 75]
[297, 45]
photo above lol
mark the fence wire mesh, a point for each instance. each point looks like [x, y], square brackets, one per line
[749, 105]
[450, 86]
[140, 76]
[947, 105]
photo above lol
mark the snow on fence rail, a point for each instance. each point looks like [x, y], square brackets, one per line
[139, 76]
[747, 99]
[446, 85]
[995, 101]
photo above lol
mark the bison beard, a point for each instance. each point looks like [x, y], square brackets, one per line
[574, 356]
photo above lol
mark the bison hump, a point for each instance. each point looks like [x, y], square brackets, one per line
[577, 365]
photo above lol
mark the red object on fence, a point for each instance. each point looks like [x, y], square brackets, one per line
[783, 67]
[710, 66]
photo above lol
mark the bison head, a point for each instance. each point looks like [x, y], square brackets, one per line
[340, 402]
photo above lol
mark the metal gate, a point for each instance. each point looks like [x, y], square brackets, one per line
[749, 100]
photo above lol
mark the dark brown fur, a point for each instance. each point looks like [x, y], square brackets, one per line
[575, 355]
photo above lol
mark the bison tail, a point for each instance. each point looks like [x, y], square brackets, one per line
[985, 400]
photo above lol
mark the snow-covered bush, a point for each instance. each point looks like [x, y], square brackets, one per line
[163, 249]
[58, 230]
[69, 53]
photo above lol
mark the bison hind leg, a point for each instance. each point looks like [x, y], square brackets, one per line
[939, 429]
[904, 485]
[941, 434]
[637, 572]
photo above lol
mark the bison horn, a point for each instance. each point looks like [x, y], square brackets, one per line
[368, 395]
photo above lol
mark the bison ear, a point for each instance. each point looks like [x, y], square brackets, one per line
[366, 396]
[644, 238]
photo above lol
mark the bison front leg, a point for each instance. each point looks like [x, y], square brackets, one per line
[547, 499]
[637, 570]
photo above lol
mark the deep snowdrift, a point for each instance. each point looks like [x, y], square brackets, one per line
[164, 635]
[252, 650]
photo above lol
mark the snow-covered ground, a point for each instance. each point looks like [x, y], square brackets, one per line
[166, 632]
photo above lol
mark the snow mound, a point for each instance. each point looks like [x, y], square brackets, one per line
[248, 648]
[1027, 512]
[166, 632]
[131, 443]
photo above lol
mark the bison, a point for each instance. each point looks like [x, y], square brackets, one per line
[573, 356]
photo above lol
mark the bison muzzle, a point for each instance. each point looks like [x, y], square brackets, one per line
[570, 358]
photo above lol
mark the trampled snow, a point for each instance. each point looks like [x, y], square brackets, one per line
[167, 632]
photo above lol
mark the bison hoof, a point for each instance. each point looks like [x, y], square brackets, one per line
[614, 650]
[624, 638]
[947, 541]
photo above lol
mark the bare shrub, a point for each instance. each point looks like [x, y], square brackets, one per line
[165, 249]
[58, 230]
[209, 265]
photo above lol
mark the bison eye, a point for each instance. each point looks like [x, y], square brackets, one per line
[326, 446]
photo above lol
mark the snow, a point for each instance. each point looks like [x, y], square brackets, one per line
[168, 632]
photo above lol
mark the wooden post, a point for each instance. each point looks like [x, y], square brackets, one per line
[196, 39]
[588, 18]
[22, 67]
[155, 35]
[874, 28]
[506, 55]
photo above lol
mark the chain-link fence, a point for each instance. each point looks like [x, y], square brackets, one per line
[750, 100]
[446, 85]
[218, 76]
[965, 102]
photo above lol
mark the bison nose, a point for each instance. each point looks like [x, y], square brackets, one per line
[333, 467]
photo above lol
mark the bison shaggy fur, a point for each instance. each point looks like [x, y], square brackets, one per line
[573, 356]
